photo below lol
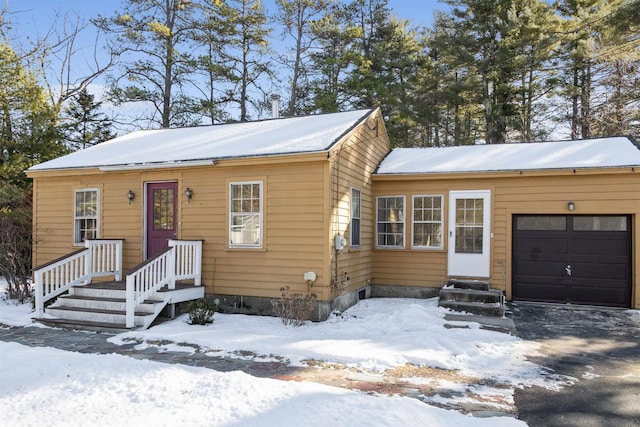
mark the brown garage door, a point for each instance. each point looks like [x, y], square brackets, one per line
[578, 259]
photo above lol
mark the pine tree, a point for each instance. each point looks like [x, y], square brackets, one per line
[297, 18]
[28, 135]
[333, 60]
[159, 71]
[212, 30]
[86, 125]
[246, 54]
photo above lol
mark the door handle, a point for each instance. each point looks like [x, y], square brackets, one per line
[568, 270]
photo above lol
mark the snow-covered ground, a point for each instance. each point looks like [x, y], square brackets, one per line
[375, 336]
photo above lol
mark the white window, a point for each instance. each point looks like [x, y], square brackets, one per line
[245, 216]
[427, 222]
[86, 212]
[390, 222]
[355, 217]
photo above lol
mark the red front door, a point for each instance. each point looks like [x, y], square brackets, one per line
[162, 223]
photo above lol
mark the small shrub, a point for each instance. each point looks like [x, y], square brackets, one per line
[292, 308]
[201, 312]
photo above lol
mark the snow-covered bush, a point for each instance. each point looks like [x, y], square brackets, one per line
[201, 312]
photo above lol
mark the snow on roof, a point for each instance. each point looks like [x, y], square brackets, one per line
[261, 138]
[591, 153]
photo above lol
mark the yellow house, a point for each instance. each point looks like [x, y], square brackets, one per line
[321, 205]
[254, 207]
[549, 222]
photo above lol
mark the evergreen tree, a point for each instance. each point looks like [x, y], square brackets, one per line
[28, 135]
[156, 33]
[28, 132]
[246, 54]
[86, 125]
[212, 30]
[333, 60]
[297, 17]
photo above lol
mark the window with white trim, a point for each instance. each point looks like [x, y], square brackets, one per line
[355, 217]
[85, 215]
[245, 214]
[390, 222]
[427, 222]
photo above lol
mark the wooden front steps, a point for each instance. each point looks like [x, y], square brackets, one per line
[102, 306]
[471, 296]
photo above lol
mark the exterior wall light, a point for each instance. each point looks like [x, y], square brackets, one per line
[189, 194]
[131, 195]
[571, 206]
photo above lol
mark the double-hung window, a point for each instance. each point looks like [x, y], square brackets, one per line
[245, 216]
[390, 222]
[86, 213]
[355, 217]
[427, 222]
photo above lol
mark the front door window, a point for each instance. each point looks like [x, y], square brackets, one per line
[163, 208]
[469, 221]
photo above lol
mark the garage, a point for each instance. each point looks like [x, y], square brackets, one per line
[577, 259]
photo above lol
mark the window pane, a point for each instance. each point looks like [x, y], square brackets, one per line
[390, 224]
[600, 223]
[245, 215]
[355, 232]
[548, 223]
[163, 208]
[355, 217]
[427, 221]
[85, 215]
[469, 225]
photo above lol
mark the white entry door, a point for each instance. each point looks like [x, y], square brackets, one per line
[469, 233]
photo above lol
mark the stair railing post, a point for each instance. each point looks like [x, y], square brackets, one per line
[171, 266]
[131, 303]
[39, 294]
[198, 264]
[88, 269]
[118, 273]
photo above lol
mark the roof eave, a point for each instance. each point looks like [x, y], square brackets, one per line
[219, 161]
[507, 172]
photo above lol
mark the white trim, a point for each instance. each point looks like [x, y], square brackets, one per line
[75, 217]
[351, 244]
[261, 214]
[183, 164]
[413, 222]
[404, 222]
[470, 264]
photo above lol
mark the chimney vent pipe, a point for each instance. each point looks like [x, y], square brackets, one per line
[275, 106]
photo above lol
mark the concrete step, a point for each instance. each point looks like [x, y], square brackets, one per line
[477, 285]
[116, 304]
[96, 315]
[479, 308]
[84, 325]
[98, 292]
[470, 295]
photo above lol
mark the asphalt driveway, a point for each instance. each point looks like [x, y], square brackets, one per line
[597, 350]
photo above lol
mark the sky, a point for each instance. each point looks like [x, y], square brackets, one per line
[40, 12]
[33, 19]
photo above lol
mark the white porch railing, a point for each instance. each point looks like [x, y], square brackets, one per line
[188, 260]
[99, 258]
[181, 261]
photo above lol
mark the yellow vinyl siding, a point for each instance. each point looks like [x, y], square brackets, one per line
[352, 164]
[292, 228]
[600, 193]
